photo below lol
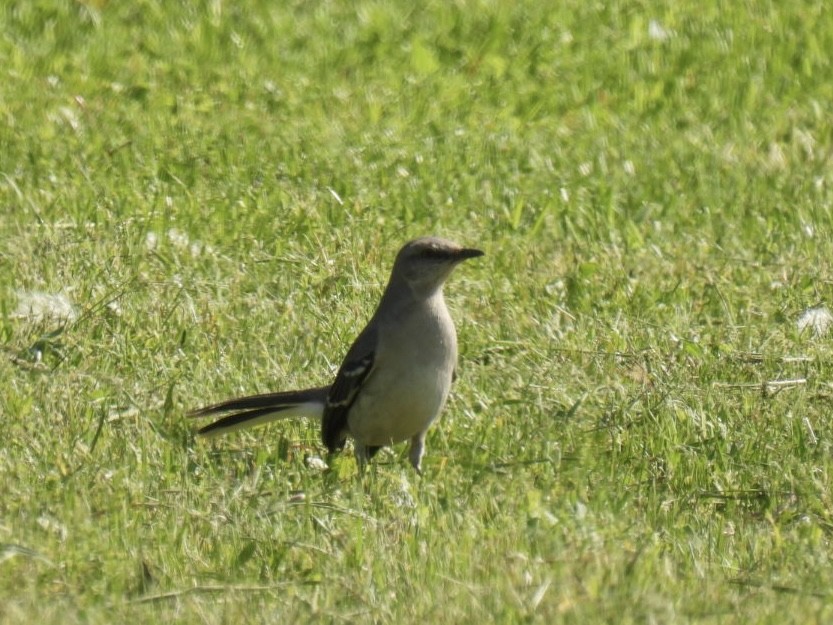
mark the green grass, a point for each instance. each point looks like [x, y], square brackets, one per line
[219, 190]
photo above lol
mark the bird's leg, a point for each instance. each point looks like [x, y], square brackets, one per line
[416, 451]
[365, 453]
[361, 457]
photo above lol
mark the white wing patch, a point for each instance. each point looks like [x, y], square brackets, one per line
[358, 370]
[342, 394]
[351, 378]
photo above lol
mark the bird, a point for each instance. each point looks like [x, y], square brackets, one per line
[394, 380]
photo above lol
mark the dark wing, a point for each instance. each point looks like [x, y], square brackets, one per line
[355, 369]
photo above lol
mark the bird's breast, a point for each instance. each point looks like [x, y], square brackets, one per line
[410, 382]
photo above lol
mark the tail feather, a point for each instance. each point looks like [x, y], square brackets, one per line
[267, 400]
[259, 409]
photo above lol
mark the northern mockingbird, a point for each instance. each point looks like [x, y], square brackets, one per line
[395, 378]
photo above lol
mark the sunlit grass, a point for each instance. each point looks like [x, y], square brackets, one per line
[639, 431]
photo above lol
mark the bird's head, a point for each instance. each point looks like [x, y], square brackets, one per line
[424, 264]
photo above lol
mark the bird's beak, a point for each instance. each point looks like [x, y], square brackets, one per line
[467, 252]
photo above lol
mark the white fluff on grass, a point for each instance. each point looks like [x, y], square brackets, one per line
[817, 320]
[37, 306]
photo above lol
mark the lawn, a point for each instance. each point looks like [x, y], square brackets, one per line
[203, 199]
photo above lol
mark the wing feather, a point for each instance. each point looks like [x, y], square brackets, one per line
[351, 376]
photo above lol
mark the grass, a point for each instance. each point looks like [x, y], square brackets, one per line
[219, 190]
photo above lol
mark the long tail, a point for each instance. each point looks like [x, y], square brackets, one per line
[259, 409]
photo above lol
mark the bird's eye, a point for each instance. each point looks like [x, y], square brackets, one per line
[433, 253]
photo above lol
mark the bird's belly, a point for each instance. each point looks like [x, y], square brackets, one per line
[401, 407]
